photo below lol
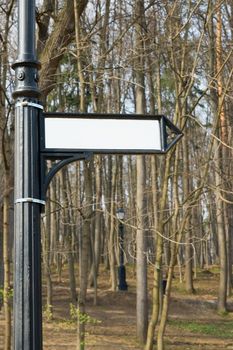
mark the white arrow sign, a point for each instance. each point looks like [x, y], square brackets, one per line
[103, 133]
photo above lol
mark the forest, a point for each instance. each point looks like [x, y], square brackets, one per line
[148, 57]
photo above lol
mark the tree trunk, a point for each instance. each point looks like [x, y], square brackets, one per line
[1, 259]
[222, 292]
[47, 261]
[53, 48]
[5, 163]
[6, 260]
[68, 234]
[188, 237]
[142, 302]
[96, 244]
[222, 165]
[85, 253]
[112, 241]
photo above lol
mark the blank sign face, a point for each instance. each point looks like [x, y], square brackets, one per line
[102, 134]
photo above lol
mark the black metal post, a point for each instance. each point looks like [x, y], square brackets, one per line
[27, 273]
[121, 269]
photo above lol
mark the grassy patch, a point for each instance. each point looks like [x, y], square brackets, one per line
[214, 269]
[179, 287]
[218, 330]
[65, 324]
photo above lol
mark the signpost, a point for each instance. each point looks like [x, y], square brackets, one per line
[107, 133]
[74, 136]
[66, 138]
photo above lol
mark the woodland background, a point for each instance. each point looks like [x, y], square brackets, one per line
[118, 56]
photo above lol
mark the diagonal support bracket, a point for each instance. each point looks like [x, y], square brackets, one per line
[64, 159]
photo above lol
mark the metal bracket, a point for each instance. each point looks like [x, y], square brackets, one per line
[30, 104]
[64, 159]
[29, 200]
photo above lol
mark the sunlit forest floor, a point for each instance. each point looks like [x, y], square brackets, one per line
[194, 323]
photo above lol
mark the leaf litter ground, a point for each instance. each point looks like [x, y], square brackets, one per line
[194, 323]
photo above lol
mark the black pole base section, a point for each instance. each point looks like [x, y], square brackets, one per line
[122, 278]
[27, 242]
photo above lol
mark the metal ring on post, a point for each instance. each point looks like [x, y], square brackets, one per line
[30, 104]
[29, 200]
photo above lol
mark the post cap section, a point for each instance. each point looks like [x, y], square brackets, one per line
[26, 79]
[26, 66]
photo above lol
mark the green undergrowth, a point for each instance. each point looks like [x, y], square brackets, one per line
[221, 329]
